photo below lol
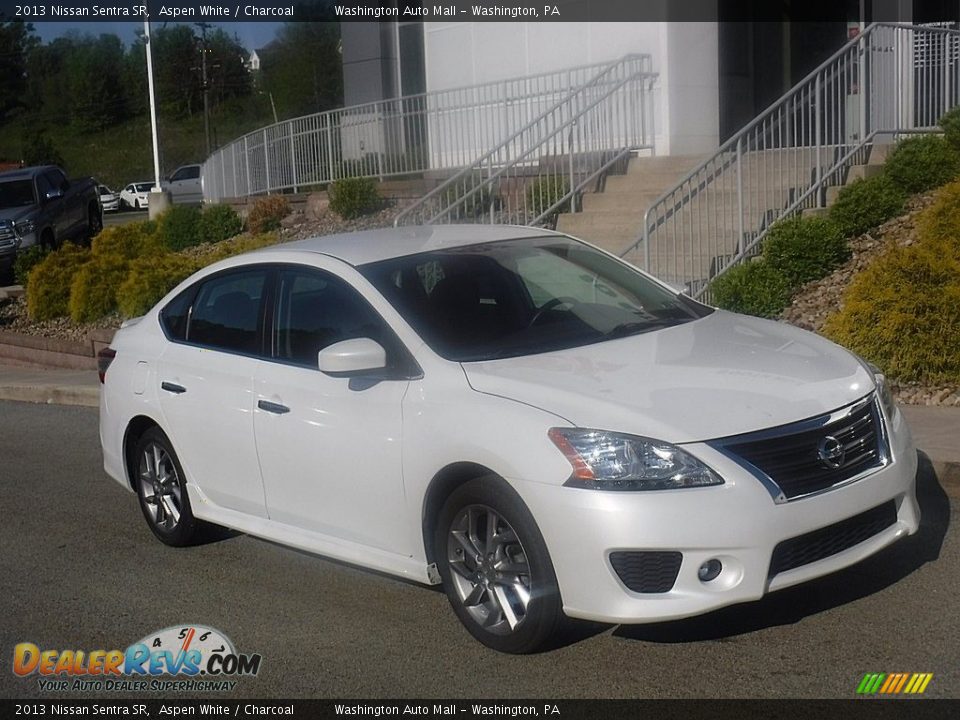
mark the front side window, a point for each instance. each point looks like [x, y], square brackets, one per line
[315, 310]
[524, 296]
[226, 312]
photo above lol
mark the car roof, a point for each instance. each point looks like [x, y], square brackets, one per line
[360, 248]
[25, 173]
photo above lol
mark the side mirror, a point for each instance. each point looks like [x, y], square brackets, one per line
[54, 194]
[350, 357]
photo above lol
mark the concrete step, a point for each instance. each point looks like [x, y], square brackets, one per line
[879, 153]
[863, 172]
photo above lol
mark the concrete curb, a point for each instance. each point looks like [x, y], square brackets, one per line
[52, 394]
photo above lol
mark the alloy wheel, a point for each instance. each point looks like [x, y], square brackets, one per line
[490, 570]
[160, 487]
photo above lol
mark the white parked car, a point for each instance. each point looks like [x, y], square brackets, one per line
[510, 412]
[109, 200]
[136, 195]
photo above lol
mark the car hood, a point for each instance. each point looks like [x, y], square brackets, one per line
[17, 214]
[721, 375]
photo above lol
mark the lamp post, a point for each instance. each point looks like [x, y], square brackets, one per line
[159, 200]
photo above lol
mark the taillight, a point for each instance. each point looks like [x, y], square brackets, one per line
[104, 358]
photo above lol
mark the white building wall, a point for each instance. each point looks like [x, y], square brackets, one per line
[686, 96]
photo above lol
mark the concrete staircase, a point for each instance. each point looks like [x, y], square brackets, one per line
[871, 168]
[612, 219]
[704, 230]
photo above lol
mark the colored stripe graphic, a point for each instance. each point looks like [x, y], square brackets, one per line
[894, 683]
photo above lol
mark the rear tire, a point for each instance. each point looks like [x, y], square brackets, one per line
[496, 569]
[162, 491]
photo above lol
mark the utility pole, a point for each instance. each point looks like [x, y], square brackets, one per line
[205, 85]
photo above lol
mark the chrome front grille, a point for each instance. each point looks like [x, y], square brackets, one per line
[813, 455]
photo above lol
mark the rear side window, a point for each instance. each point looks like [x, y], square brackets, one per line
[226, 313]
[175, 315]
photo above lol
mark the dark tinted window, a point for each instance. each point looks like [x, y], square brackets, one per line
[57, 179]
[175, 315]
[314, 310]
[226, 313]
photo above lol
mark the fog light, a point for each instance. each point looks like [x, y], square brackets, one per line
[709, 570]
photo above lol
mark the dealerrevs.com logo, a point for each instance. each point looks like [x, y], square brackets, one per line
[179, 658]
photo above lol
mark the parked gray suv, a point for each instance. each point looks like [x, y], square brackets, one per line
[185, 185]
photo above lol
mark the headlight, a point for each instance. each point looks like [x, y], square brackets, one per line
[25, 227]
[883, 391]
[614, 461]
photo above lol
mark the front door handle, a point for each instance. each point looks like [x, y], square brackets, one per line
[172, 387]
[275, 408]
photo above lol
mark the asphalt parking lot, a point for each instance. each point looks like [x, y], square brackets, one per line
[122, 217]
[79, 569]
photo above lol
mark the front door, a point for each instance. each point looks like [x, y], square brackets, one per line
[329, 447]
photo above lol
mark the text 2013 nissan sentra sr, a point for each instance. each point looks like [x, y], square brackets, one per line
[510, 412]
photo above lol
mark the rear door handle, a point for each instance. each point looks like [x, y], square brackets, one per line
[172, 387]
[275, 408]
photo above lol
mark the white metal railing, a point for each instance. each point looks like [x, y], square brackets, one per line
[892, 79]
[438, 130]
[542, 168]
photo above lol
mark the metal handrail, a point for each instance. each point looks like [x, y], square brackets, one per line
[437, 130]
[892, 78]
[541, 133]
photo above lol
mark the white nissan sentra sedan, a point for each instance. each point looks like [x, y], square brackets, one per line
[531, 422]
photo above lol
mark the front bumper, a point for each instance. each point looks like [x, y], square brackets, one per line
[737, 523]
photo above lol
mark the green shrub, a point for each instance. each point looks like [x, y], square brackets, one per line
[48, 286]
[354, 197]
[219, 222]
[25, 262]
[918, 164]
[903, 313]
[266, 213]
[128, 241]
[149, 279]
[864, 204]
[805, 249]
[543, 192]
[951, 127]
[753, 288]
[93, 291]
[941, 221]
[179, 227]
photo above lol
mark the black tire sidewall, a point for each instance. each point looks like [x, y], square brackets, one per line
[185, 533]
[545, 611]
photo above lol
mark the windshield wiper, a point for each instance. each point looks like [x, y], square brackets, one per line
[635, 327]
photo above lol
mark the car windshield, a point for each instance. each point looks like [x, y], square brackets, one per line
[143, 187]
[16, 193]
[524, 296]
[104, 190]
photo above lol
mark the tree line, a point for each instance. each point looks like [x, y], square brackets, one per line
[92, 83]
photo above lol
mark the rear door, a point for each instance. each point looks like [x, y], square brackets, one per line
[206, 385]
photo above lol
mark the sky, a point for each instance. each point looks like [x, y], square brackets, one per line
[252, 35]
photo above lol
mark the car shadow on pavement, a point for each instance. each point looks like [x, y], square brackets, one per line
[793, 604]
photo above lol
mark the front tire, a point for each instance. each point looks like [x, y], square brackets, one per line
[162, 491]
[94, 223]
[496, 569]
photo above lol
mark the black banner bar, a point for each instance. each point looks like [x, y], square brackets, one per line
[866, 708]
[445, 10]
